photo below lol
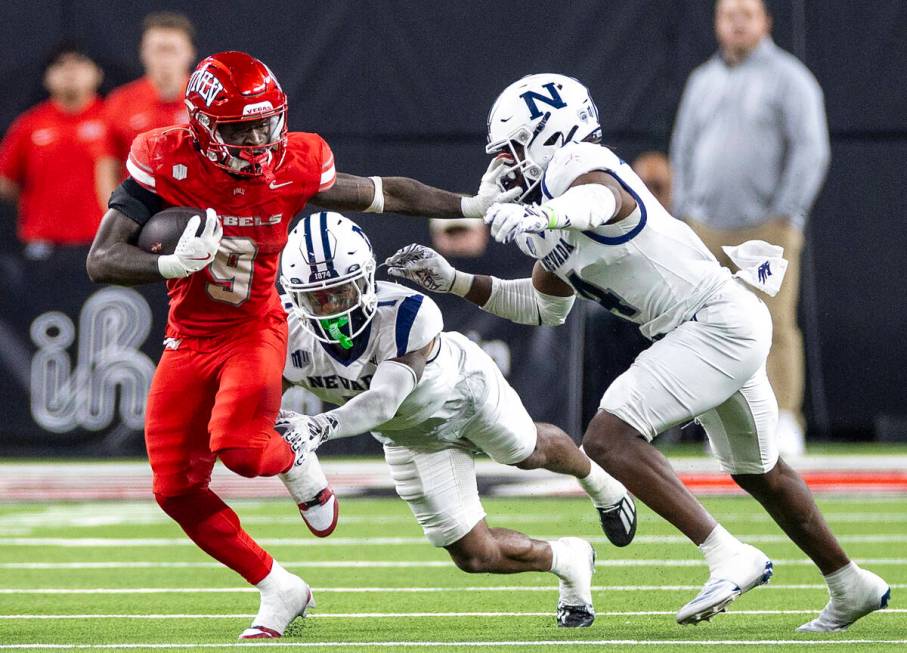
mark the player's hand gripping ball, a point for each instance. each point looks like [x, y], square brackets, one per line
[185, 244]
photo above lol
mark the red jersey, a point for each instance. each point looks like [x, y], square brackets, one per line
[137, 107]
[239, 286]
[50, 154]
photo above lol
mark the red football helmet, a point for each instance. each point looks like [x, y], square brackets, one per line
[237, 113]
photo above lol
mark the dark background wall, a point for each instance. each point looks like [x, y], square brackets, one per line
[403, 88]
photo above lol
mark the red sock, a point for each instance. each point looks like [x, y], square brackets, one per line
[275, 458]
[215, 528]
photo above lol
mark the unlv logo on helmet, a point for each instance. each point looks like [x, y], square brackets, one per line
[205, 84]
[234, 87]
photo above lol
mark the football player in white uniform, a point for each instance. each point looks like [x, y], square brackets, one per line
[596, 231]
[433, 398]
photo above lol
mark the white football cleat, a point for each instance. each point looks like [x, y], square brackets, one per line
[321, 513]
[574, 606]
[870, 595]
[279, 607]
[741, 573]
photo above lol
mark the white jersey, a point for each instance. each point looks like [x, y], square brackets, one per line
[405, 321]
[649, 268]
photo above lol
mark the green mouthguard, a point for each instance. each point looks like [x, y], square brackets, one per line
[333, 327]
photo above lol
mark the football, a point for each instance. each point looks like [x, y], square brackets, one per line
[163, 230]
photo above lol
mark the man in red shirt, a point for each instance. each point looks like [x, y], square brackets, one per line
[217, 389]
[155, 100]
[47, 158]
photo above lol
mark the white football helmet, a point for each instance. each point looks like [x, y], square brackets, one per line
[328, 271]
[533, 118]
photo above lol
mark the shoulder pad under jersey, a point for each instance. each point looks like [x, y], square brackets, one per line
[418, 321]
[572, 161]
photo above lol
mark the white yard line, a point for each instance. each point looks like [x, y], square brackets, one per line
[20, 523]
[388, 590]
[404, 564]
[482, 644]
[404, 615]
[95, 542]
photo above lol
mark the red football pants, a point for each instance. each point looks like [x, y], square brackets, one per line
[206, 402]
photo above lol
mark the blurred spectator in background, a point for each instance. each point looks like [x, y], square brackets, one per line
[48, 156]
[167, 51]
[655, 171]
[459, 237]
[750, 151]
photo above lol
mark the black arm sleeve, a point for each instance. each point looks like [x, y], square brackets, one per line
[135, 202]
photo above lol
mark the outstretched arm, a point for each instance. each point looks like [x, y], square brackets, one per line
[398, 195]
[593, 199]
[541, 299]
[391, 384]
[411, 197]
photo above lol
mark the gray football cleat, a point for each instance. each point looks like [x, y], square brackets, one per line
[872, 594]
[749, 569]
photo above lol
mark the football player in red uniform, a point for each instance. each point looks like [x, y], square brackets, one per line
[217, 389]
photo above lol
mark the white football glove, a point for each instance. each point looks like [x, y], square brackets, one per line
[509, 220]
[489, 190]
[424, 266]
[304, 433]
[193, 253]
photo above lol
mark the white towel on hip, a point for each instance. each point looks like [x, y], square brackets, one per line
[762, 265]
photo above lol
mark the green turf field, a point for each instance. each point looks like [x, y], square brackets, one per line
[119, 576]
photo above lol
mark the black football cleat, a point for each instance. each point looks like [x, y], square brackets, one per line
[574, 616]
[619, 521]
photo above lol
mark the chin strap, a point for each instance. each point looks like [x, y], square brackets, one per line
[262, 160]
[333, 327]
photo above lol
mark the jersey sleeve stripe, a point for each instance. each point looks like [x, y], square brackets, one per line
[545, 190]
[328, 164]
[406, 316]
[327, 180]
[146, 179]
[630, 235]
